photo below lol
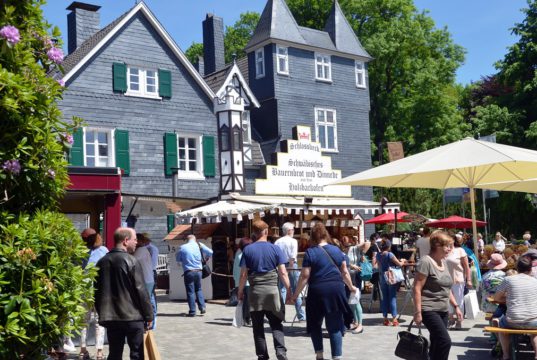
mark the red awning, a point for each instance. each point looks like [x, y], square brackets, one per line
[388, 217]
[455, 222]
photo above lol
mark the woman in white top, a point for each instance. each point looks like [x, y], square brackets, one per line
[499, 242]
[459, 269]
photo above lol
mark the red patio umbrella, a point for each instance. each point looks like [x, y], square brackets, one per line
[455, 222]
[389, 217]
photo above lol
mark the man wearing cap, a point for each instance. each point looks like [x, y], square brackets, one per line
[289, 246]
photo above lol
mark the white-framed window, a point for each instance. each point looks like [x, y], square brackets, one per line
[259, 63]
[326, 128]
[99, 147]
[189, 157]
[359, 67]
[246, 129]
[323, 67]
[282, 60]
[142, 82]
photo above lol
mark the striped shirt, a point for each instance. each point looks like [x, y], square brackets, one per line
[521, 292]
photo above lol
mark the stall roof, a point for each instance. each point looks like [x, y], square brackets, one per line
[201, 231]
[224, 208]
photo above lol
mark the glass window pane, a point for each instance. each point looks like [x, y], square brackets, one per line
[182, 165]
[319, 71]
[182, 154]
[181, 142]
[103, 150]
[134, 86]
[327, 72]
[102, 162]
[322, 136]
[134, 71]
[282, 65]
[192, 154]
[192, 143]
[330, 116]
[150, 74]
[192, 166]
[151, 89]
[90, 149]
[320, 115]
[330, 137]
[225, 139]
[90, 161]
[236, 140]
[90, 136]
[102, 137]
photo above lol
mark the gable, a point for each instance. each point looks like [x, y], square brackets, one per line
[78, 59]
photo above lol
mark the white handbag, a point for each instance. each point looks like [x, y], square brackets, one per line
[471, 305]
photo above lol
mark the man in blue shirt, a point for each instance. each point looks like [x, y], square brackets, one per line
[262, 263]
[189, 255]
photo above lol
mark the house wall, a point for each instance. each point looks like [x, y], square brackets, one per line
[90, 96]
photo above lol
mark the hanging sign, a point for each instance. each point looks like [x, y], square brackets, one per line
[301, 169]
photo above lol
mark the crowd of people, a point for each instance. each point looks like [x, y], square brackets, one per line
[268, 276]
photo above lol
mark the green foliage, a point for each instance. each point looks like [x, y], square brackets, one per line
[194, 52]
[235, 39]
[31, 130]
[42, 284]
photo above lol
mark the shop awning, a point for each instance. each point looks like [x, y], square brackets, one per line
[239, 206]
[143, 205]
[231, 208]
[331, 205]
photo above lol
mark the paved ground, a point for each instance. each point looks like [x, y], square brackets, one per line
[212, 337]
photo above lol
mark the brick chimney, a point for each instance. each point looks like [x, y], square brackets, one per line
[213, 43]
[82, 22]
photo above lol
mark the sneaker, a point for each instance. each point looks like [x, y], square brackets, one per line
[202, 311]
[458, 325]
[190, 315]
[387, 322]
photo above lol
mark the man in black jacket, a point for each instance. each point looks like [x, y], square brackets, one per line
[121, 298]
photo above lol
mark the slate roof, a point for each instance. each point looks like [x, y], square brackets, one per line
[277, 23]
[342, 34]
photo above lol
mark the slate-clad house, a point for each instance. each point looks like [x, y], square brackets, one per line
[307, 77]
[146, 109]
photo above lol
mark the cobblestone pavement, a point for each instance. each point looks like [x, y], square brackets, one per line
[212, 337]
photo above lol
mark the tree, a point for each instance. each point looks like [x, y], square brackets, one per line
[235, 39]
[42, 285]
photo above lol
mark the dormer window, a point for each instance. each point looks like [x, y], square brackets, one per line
[142, 82]
[259, 63]
[360, 74]
[282, 60]
[323, 67]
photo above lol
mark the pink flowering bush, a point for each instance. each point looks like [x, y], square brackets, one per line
[42, 285]
[10, 33]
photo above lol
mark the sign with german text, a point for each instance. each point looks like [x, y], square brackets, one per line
[301, 170]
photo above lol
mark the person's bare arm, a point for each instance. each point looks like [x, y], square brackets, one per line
[347, 276]
[467, 271]
[419, 282]
[284, 277]
[242, 282]
[302, 281]
[453, 303]
[500, 297]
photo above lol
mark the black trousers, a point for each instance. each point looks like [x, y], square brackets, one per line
[118, 331]
[259, 334]
[436, 323]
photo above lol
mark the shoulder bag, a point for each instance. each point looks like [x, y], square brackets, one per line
[205, 269]
[412, 346]
[367, 269]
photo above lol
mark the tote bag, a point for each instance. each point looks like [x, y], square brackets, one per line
[367, 269]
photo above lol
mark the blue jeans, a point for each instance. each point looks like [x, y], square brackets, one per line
[293, 279]
[334, 325]
[151, 290]
[389, 298]
[193, 291]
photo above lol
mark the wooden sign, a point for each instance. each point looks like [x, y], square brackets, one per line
[395, 150]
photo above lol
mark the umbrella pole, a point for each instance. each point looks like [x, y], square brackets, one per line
[474, 225]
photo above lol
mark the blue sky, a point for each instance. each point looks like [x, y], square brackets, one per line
[482, 27]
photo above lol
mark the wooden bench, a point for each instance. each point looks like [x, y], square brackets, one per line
[514, 335]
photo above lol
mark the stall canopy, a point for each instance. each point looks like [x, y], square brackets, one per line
[455, 222]
[201, 231]
[238, 206]
[388, 218]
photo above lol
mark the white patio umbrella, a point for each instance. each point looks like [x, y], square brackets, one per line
[466, 163]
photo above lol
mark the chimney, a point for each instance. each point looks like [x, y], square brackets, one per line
[200, 66]
[82, 22]
[213, 43]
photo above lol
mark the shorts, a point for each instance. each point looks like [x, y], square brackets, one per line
[506, 324]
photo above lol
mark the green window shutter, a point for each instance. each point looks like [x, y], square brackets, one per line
[170, 222]
[209, 164]
[120, 77]
[122, 150]
[170, 153]
[76, 154]
[165, 83]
